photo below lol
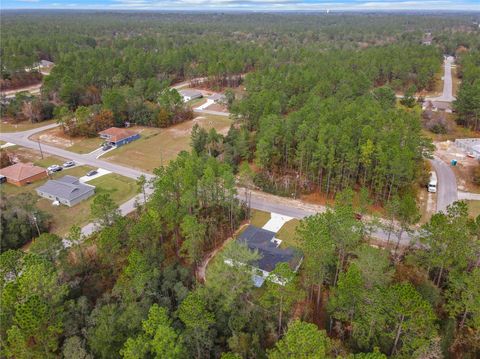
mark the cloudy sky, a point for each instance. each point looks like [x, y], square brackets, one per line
[250, 5]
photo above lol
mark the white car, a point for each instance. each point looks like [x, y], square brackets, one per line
[69, 164]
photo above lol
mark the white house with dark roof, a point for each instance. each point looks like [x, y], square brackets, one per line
[264, 242]
[67, 190]
[188, 95]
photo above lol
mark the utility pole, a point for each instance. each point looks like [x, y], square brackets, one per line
[36, 224]
[40, 147]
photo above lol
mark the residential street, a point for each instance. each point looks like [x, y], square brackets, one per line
[447, 95]
[447, 184]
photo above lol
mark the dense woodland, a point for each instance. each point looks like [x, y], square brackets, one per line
[319, 114]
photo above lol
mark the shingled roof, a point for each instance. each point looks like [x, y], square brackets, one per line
[67, 187]
[116, 134]
[21, 171]
[261, 240]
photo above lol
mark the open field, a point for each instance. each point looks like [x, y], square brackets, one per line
[56, 137]
[120, 188]
[158, 146]
[22, 126]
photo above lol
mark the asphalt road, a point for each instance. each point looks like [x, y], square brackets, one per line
[447, 184]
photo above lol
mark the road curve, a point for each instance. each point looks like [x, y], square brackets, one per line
[447, 184]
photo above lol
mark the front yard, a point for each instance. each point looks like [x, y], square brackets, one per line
[158, 146]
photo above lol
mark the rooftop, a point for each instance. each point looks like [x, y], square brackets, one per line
[67, 187]
[189, 93]
[21, 171]
[116, 134]
[263, 241]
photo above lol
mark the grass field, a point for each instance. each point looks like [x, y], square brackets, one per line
[22, 126]
[157, 147]
[120, 188]
[287, 234]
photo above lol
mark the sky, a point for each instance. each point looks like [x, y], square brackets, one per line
[247, 5]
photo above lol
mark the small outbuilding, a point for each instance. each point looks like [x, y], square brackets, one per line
[21, 174]
[188, 95]
[67, 190]
[119, 136]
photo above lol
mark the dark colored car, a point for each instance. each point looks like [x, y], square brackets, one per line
[92, 173]
[106, 146]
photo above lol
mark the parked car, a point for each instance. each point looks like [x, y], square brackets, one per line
[92, 173]
[106, 146]
[54, 168]
[69, 164]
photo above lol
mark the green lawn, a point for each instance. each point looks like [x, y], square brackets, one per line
[49, 160]
[120, 188]
[259, 218]
[22, 126]
[473, 208]
[287, 234]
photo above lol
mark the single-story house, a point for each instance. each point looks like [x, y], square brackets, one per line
[188, 95]
[67, 190]
[265, 243]
[218, 98]
[21, 174]
[46, 63]
[119, 136]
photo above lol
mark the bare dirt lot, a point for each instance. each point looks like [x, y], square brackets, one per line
[447, 151]
[56, 137]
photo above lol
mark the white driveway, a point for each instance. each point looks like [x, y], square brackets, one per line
[205, 105]
[101, 172]
[276, 222]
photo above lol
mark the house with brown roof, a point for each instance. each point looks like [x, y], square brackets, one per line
[21, 174]
[119, 136]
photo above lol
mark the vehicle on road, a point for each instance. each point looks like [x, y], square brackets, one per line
[432, 184]
[54, 168]
[92, 173]
[69, 164]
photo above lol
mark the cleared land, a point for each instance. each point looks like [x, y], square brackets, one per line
[56, 137]
[158, 146]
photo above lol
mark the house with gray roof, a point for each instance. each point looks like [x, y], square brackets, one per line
[67, 190]
[188, 95]
[265, 243]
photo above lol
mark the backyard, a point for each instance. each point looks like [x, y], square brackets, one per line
[158, 146]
